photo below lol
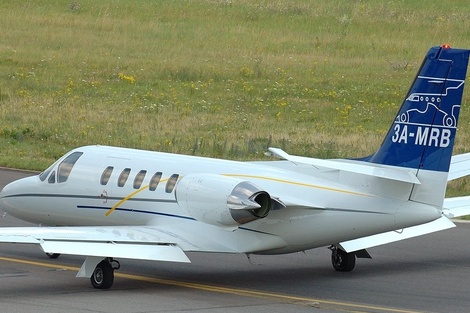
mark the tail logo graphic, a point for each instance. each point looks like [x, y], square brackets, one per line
[423, 132]
[408, 126]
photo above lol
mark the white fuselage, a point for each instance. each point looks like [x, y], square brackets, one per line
[321, 207]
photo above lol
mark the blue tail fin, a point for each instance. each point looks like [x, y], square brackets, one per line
[422, 134]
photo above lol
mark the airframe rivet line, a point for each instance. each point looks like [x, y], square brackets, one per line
[241, 292]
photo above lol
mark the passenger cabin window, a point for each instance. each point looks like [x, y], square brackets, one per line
[170, 184]
[139, 178]
[65, 167]
[106, 175]
[123, 177]
[155, 180]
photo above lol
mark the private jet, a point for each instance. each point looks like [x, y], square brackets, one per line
[110, 203]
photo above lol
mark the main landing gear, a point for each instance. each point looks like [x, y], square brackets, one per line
[103, 275]
[341, 260]
[53, 255]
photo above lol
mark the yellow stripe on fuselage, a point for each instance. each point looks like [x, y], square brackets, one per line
[125, 199]
[128, 197]
[245, 176]
[296, 183]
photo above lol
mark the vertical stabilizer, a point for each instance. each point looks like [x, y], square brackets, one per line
[422, 135]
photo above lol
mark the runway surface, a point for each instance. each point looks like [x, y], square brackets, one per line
[425, 274]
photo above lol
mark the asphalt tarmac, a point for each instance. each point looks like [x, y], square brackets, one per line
[425, 274]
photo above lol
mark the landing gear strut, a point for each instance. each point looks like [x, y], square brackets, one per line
[341, 260]
[103, 275]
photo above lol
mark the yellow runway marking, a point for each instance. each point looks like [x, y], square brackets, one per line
[71, 268]
[320, 303]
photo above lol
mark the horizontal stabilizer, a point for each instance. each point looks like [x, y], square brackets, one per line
[456, 207]
[459, 166]
[369, 169]
[392, 236]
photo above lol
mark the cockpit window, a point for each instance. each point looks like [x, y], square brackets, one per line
[139, 178]
[65, 167]
[106, 175]
[51, 179]
[44, 174]
[123, 177]
[170, 184]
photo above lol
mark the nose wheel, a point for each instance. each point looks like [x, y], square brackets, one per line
[103, 275]
[341, 260]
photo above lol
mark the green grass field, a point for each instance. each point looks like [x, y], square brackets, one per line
[216, 78]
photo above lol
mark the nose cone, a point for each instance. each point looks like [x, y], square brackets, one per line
[13, 196]
[5, 194]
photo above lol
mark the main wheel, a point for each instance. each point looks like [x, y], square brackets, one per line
[103, 275]
[53, 255]
[343, 261]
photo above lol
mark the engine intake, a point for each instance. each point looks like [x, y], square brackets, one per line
[222, 201]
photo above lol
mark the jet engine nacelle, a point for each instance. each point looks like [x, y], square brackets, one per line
[222, 201]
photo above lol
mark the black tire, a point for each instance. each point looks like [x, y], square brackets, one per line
[343, 261]
[103, 275]
[53, 255]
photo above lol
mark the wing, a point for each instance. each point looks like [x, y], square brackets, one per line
[134, 242]
[393, 236]
[143, 243]
[140, 242]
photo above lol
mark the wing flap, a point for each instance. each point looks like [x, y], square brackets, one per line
[139, 251]
[18, 239]
[131, 234]
[393, 236]
[354, 167]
